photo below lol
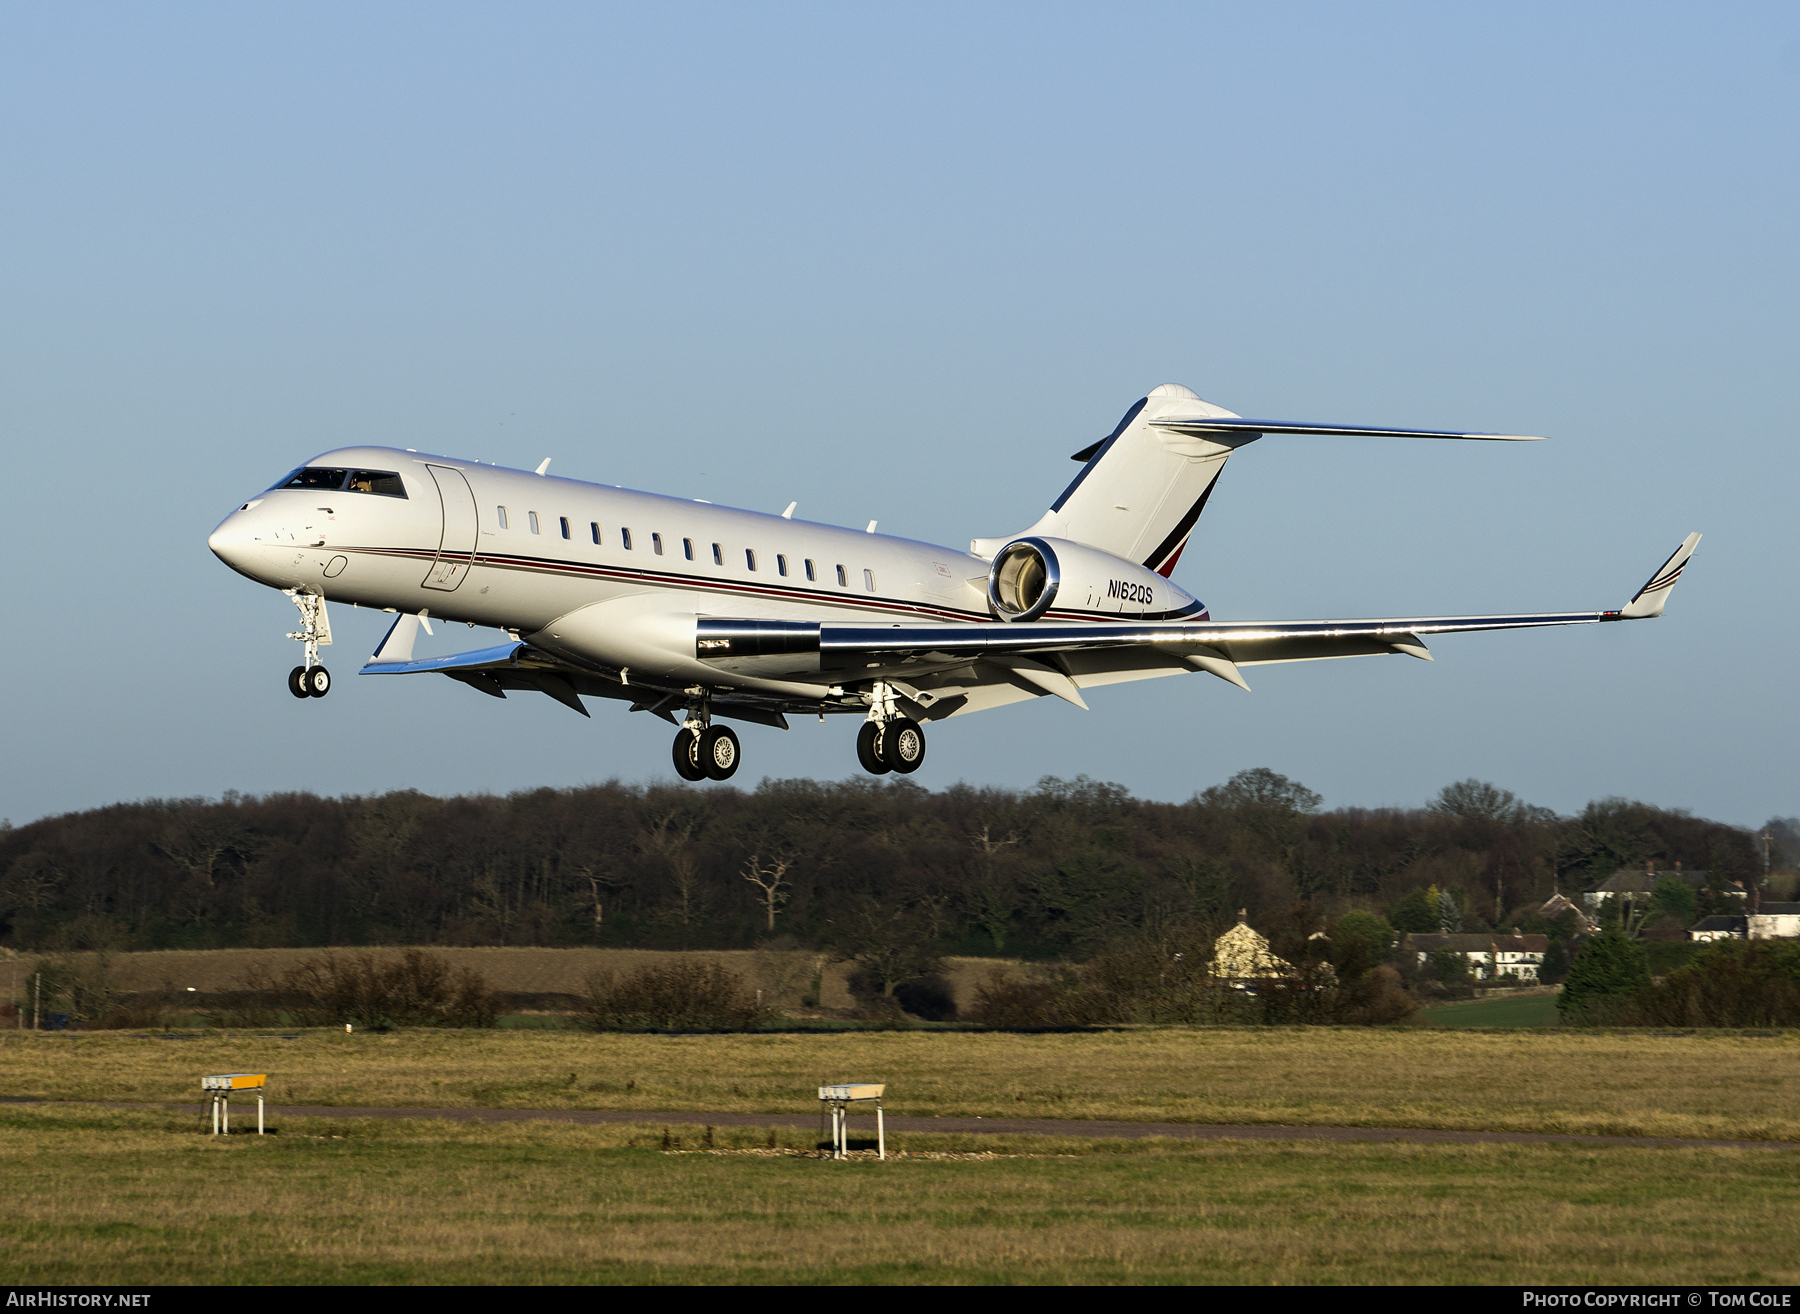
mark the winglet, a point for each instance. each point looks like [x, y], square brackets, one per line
[1649, 600]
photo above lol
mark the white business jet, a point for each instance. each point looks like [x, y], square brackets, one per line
[698, 613]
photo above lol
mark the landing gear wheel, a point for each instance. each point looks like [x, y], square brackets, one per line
[719, 752]
[903, 746]
[297, 683]
[687, 755]
[868, 749]
[318, 682]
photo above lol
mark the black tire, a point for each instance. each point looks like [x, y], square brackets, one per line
[687, 755]
[903, 746]
[719, 752]
[297, 683]
[868, 750]
[318, 682]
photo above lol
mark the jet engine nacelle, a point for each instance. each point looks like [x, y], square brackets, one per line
[1033, 576]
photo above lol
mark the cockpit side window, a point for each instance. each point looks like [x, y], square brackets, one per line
[314, 476]
[383, 482]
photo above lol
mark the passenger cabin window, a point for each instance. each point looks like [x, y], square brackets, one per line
[565, 525]
[532, 516]
[811, 572]
[869, 580]
[843, 579]
[625, 538]
[656, 544]
[687, 548]
[501, 512]
[750, 558]
[780, 564]
[718, 555]
[594, 529]
[385, 483]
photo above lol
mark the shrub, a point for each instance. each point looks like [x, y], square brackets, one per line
[418, 989]
[1378, 998]
[1609, 970]
[929, 997]
[1003, 1002]
[682, 996]
[1455, 978]
[1371, 933]
[1729, 983]
[1556, 963]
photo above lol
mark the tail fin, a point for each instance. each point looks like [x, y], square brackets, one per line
[1142, 488]
[1144, 485]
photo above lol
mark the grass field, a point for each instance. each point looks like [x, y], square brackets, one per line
[1527, 1011]
[1630, 1084]
[104, 1197]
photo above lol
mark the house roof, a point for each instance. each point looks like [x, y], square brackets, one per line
[1241, 954]
[1643, 882]
[1779, 909]
[1521, 944]
[1480, 942]
[1739, 924]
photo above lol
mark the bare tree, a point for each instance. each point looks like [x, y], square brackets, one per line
[669, 838]
[197, 843]
[889, 942]
[771, 880]
[991, 896]
[597, 883]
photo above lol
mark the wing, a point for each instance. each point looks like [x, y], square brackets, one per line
[950, 669]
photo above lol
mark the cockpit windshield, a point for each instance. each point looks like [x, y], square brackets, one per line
[385, 483]
[312, 476]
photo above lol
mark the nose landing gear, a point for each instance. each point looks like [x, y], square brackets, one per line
[310, 680]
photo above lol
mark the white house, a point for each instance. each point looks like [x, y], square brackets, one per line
[1770, 921]
[1491, 957]
[1775, 921]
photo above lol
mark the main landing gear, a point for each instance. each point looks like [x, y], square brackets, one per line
[704, 751]
[310, 680]
[889, 740]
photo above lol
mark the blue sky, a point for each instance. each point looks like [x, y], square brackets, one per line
[898, 262]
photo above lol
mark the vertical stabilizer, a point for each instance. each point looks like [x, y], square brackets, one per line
[1142, 488]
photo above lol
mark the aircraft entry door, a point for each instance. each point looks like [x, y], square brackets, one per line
[456, 549]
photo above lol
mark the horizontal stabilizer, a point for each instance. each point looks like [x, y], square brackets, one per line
[1649, 600]
[1234, 424]
[1143, 487]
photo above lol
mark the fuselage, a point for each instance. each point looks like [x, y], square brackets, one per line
[492, 546]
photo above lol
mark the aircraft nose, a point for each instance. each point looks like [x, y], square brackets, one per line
[234, 539]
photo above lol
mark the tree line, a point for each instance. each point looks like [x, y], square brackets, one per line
[887, 871]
